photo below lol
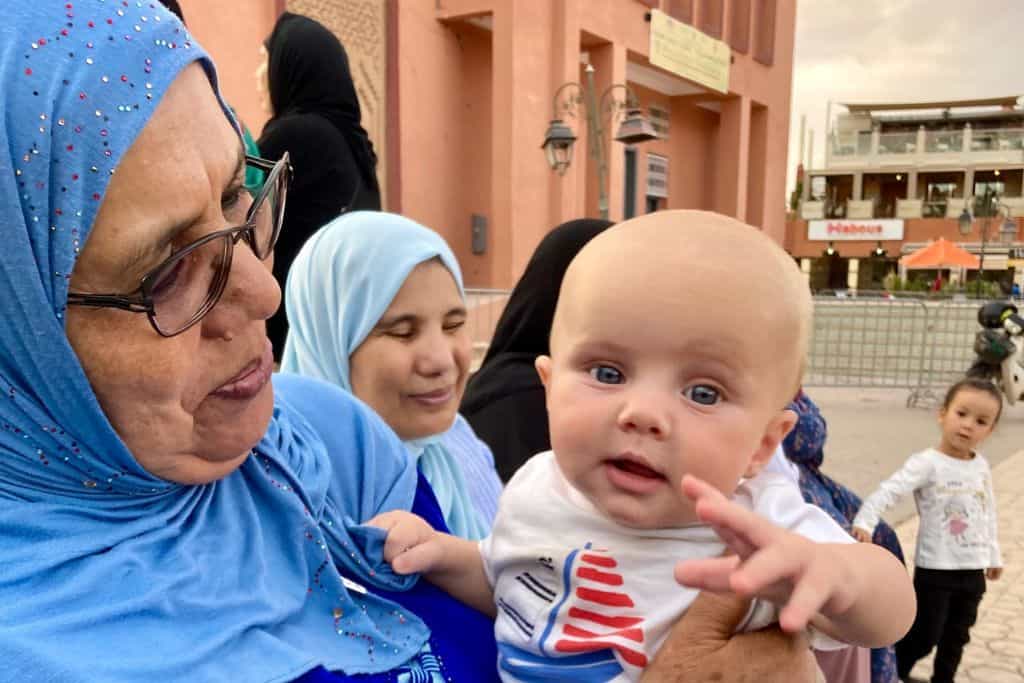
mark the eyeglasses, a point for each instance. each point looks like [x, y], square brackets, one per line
[176, 294]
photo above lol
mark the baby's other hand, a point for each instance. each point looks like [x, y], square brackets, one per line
[862, 535]
[802, 577]
[412, 546]
[993, 573]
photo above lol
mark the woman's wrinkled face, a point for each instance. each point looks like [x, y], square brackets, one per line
[188, 407]
[413, 366]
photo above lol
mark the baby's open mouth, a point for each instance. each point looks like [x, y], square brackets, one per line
[635, 468]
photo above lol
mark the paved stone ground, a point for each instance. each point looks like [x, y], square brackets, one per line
[871, 433]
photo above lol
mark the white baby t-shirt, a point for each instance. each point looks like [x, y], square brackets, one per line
[581, 597]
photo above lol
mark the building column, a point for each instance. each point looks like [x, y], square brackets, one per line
[968, 183]
[852, 274]
[520, 184]
[912, 184]
[858, 185]
[733, 157]
[609, 62]
[567, 198]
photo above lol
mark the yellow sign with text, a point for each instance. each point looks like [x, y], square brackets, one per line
[686, 52]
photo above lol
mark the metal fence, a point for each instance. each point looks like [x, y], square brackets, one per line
[915, 344]
[919, 345]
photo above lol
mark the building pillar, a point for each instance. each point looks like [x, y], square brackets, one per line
[567, 198]
[520, 187]
[912, 184]
[852, 274]
[968, 184]
[733, 157]
[858, 185]
[968, 134]
[921, 135]
[876, 137]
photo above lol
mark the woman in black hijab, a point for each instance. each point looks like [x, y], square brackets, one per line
[504, 402]
[316, 119]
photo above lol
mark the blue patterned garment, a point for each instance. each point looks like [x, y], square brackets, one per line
[805, 446]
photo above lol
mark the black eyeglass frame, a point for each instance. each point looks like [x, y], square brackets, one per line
[141, 300]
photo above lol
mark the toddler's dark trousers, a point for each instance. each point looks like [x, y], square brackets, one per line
[947, 607]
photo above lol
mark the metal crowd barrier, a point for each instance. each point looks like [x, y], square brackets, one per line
[923, 346]
[868, 341]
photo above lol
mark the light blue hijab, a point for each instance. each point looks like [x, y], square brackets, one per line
[108, 573]
[340, 284]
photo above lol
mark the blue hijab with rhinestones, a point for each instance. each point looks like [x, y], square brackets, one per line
[108, 573]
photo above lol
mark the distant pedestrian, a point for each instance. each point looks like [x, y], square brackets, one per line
[957, 544]
[316, 119]
[1015, 291]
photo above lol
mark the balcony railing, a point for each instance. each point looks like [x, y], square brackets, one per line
[897, 143]
[989, 145]
[997, 139]
[939, 141]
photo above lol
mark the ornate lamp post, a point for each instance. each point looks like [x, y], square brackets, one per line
[559, 139]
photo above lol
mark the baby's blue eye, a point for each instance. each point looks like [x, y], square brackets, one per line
[606, 374]
[703, 394]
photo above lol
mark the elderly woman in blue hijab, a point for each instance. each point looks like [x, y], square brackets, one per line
[376, 306]
[165, 512]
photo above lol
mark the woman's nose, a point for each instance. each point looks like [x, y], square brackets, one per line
[251, 293]
[434, 354]
[644, 414]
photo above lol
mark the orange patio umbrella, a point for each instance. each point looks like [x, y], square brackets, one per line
[940, 254]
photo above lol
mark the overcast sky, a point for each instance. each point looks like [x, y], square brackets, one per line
[900, 50]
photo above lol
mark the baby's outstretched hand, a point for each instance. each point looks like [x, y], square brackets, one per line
[412, 545]
[802, 577]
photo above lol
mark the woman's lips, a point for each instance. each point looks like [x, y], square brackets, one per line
[438, 397]
[251, 380]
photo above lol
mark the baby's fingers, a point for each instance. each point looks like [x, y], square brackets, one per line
[811, 592]
[418, 558]
[709, 574]
[736, 524]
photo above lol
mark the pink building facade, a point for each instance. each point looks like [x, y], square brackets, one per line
[458, 95]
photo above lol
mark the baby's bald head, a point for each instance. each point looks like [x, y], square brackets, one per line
[738, 279]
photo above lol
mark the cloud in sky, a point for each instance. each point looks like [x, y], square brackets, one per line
[900, 51]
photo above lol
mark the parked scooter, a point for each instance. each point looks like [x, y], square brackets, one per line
[1000, 349]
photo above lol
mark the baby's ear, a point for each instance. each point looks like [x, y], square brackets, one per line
[543, 365]
[774, 433]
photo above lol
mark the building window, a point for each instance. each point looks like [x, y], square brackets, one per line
[739, 25]
[659, 117]
[764, 31]
[710, 17]
[681, 10]
[657, 176]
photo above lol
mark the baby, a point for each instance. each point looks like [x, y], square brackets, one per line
[678, 341]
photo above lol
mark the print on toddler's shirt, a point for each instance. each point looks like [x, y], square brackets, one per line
[587, 620]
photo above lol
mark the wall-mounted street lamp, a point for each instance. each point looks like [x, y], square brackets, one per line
[1007, 230]
[830, 250]
[559, 139]
[878, 252]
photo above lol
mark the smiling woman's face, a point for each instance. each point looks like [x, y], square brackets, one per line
[413, 366]
[188, 407]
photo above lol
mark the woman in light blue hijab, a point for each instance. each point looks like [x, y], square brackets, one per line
[166, 512]
[376, 306]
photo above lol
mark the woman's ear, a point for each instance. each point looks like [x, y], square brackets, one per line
[777, 429]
